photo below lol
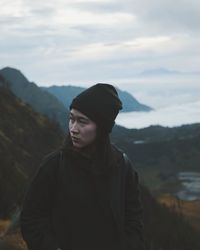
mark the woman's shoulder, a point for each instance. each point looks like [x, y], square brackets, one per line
[123, 158]
[119, 153]
[116, 150]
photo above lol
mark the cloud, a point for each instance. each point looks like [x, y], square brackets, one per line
[94, 39]
[169, 116]
[174, 16]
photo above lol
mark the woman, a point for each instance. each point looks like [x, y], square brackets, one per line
[85, 195]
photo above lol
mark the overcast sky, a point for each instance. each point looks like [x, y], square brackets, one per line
[82, 42]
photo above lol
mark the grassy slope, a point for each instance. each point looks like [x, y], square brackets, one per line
[25, 137]
[189, 209]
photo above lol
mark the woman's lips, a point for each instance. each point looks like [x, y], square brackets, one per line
[75, 139]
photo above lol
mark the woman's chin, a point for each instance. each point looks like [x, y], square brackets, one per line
[77, 144]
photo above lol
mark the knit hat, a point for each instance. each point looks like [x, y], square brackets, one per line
[100, 103]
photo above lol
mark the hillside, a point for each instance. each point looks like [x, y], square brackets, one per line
[157, 133]
[160, 153]
[66, 93]
[189, 209]
[41, 101]
[25, 137]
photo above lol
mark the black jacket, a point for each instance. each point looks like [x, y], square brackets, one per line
[44, 210]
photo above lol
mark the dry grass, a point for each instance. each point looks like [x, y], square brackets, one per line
[15, 240]
[4, 226]
[10, 240]
[189, 209]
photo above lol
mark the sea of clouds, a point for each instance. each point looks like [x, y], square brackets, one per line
[167, 116]
[174, 104]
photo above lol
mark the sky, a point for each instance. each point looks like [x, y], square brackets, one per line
[148, 47]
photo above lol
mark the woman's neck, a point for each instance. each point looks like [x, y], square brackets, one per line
[88, 151]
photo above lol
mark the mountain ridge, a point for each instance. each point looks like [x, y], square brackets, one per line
[30, 93]
[47, 103]
[66, 93]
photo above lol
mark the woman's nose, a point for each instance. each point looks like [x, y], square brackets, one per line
[74, 127]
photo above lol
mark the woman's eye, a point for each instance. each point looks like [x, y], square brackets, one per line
[71, 119]
[83, 121]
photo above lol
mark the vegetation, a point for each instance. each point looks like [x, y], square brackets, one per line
[159, 153]
[188, 209]
[166, 229]
[25, 136]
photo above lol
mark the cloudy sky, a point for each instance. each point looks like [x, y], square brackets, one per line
[148, 47]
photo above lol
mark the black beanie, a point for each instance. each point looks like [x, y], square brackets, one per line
[100, 103]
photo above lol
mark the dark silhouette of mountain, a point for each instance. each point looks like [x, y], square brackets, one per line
[30, 93]
[25, 136]
[66, 93]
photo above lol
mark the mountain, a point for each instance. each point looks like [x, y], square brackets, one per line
[25, 137]
[3, 82]
[66, 93]
[159, 72]
[177, 147]
[166, 72]
[54, 102]
[130, 104]
[157, 133]
[30, 93]
[160, 153]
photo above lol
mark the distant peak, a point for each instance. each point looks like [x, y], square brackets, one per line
[159, 71]
[12, 74]
[10, 69]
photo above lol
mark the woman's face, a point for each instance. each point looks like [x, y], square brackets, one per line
[82, 130]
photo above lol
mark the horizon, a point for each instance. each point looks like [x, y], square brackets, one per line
[155, 91]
